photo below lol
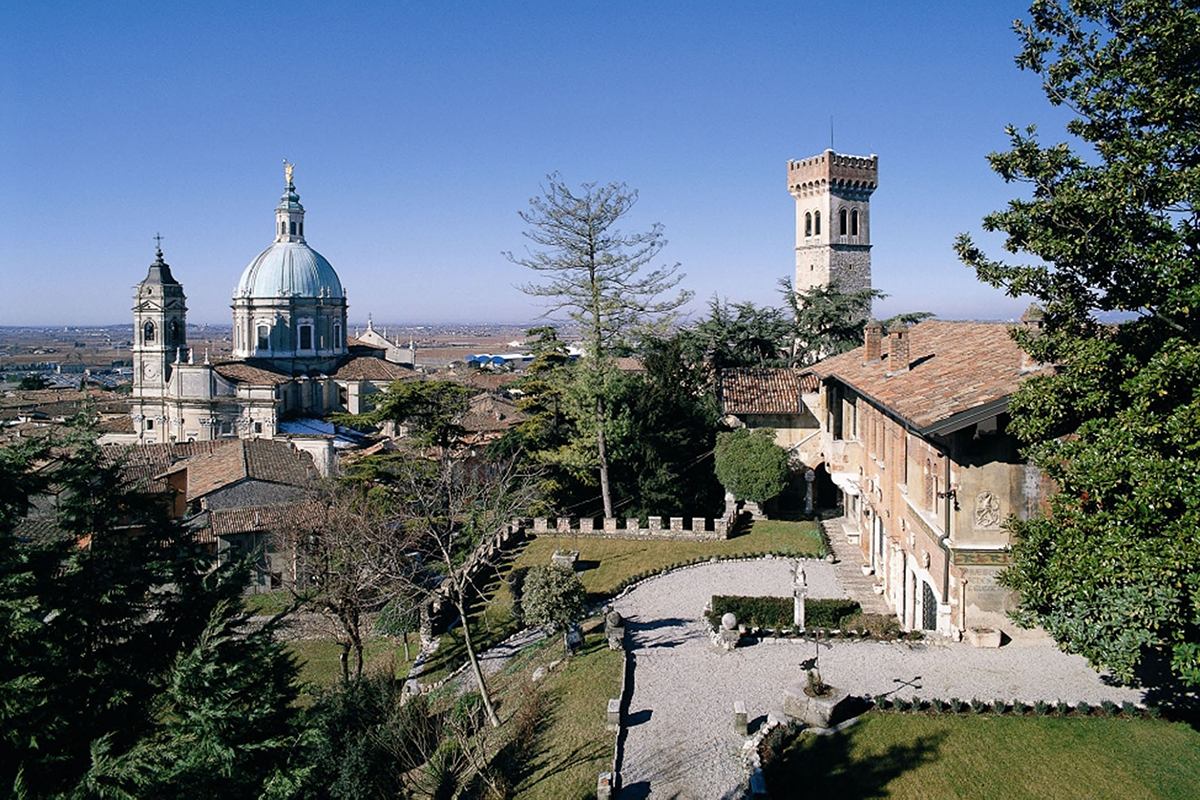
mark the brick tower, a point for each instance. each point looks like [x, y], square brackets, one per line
[833, 219]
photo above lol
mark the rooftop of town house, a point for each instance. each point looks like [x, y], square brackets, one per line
[953, 367]
[370, 368]
[765, 390]
[241, 459]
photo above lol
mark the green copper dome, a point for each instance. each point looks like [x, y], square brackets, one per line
[289, 267]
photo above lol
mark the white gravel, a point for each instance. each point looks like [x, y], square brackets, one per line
[680, 741]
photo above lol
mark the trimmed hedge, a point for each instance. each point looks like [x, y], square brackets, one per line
[776, 612]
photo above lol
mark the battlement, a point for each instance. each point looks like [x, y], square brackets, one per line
[832, 170]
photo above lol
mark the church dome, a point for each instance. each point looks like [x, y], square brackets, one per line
[289, 269]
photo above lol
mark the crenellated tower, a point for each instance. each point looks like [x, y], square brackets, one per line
[833, 219]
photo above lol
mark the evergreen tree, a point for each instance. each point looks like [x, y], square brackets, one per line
[1113, 570]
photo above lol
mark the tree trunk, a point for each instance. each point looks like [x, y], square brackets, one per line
[602, 454]
[407, 657]
[475, 668]
[344, 660]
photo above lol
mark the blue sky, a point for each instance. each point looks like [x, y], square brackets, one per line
[420, 129]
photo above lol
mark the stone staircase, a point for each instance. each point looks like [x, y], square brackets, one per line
[849, 568]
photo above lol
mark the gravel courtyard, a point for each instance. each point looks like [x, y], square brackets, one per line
[680, 741]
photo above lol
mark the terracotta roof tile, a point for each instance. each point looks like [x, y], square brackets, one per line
[258, 373]
[953, 367]
[292, 516]
[487, 413]
[760, 391]
[369, 368]
[143, 464]
[247, 459]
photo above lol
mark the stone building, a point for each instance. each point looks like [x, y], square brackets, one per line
[833, 219]
[914, 432]
[291, 358]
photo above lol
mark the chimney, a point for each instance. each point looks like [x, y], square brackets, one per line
[1032, 322]
[873, 346]
[898, 348]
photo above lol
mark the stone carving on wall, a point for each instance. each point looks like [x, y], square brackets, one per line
[987, 510]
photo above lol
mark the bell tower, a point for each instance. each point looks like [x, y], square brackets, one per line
[159, 340]
[833, 219]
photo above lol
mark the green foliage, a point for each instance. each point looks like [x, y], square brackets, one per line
[602, 277]
[123, 660]
[552, 595]
[1113, 571]
[738, 335]
[776, 612]
[828, 321]
[30, 382]
[749, 464]
[432, 410]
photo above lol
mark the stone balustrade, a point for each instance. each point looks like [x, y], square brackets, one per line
[696, 528]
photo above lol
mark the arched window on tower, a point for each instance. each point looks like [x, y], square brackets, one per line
[282, 228]
[306, 337]
[817, 223]
[301, 227]
[854, 222]
[843, 225]
[148, 333]
[808, 224]
[174, 331]
[337, 336]
[292, 228]
[264, 337]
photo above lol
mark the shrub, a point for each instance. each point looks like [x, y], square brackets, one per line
[916, 704]
[978, 705]
[749, 464]
[879, 625]
[1109, 708]
[881, 702]
[552, 595]
[1155, 712]
[902, 704]
[956, 705]
[1083, 709]
[999, 706]
[1040, 708]
[1019, 708]
[1129, 709]
[1062, 708]
[938, 705]
[776, 612]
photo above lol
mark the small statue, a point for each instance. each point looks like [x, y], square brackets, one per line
[287, 170]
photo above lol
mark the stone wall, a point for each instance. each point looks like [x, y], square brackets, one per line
[695, 529]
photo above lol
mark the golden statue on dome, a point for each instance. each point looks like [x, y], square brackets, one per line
[287, 170]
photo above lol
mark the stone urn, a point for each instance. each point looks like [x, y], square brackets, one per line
[815, 712]
[728, 636]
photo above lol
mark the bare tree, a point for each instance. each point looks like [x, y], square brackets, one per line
[456, 514]
[595, 273]
[350, 562]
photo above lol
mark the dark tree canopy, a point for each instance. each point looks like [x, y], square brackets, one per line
[1110, 222]
[750, 465]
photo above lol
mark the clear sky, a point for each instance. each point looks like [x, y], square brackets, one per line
[420, 129]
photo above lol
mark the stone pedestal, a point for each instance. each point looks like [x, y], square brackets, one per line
[565, 558]
[604, 786]
[984, 637]
[613, 722]
[816, 712]
[741, 720]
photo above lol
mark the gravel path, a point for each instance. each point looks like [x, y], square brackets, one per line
[680, 741]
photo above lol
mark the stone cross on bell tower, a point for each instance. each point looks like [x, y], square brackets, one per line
[833, 219]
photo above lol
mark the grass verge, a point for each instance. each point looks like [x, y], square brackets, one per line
[319, 665]
[918, 756]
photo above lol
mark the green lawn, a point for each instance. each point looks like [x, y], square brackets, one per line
[609, 562]
[919, 756]
[573, 747]
[319, 665]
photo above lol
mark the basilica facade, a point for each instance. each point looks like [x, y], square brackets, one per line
[291, 355]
